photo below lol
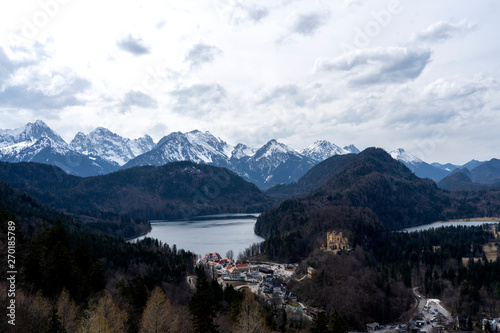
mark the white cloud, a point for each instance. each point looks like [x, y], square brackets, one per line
[442, 31]
[378, 65]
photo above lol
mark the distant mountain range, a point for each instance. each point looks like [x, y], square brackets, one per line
[481, 177]
[36, 142]
[102, 151]
[434, 171]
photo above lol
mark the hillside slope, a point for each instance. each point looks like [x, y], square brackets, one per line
[175, 190]
[358, 194]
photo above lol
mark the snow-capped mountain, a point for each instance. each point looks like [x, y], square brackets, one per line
[419, 167]
[36, 142]
[194, 146]
[351, 149]
[103, 143]
[241, 150]
[29, 133]
[402, 156]
[272, 164]
[321, 150]
[102, 151]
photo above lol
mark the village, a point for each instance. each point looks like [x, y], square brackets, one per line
[267, 279]
[264, 279]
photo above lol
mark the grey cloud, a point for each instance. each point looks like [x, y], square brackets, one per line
[256, 13]
[22, 96]
[442, 31]
[289, 92]
[308, 24]
[138, 98]
[294, 95]
[198, 99]
[133, 45]
[378, 65]
[9, 66]
[201, 54]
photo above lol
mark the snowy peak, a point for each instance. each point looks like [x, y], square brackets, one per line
[110, 146]
[31, 132]
[273, 148]
[351, 149]
[37, 142]
[194, 146]
[241, 150]
[321, 150]
[209, 142]
[141, 145]
[401, 155]
[419, 167]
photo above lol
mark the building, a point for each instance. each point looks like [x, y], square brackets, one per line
[336, 242]
[212, 257]
[310, 272]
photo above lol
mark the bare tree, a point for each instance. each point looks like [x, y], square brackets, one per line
[158, 316]
[230, 254]
[250, 320]
[104, 317]
[66, 308]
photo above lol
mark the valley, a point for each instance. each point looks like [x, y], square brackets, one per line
[367, 276]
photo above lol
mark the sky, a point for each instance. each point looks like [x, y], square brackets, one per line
[421, 75]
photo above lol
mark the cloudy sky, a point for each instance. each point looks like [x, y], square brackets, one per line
[422, 75]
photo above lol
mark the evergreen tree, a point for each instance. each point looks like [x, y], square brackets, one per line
[202, 306]
[338, 324]
[320, 323]
[55, 325]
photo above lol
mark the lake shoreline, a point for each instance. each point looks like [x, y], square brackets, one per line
[452, 223]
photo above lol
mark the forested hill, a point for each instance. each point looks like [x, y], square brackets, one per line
[361, 193]
[313, 179]
[64, 265]
[175, 190]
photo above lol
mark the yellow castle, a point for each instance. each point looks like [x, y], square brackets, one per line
[336, 242]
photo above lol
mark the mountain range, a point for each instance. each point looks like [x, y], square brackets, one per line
[483, 176]
[102, 151]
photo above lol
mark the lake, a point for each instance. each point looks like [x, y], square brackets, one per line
[448, 224]
[204, 234]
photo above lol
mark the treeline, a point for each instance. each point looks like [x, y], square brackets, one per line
[434, 260]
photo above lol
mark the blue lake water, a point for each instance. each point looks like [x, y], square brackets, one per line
[204, 234]
[447, 224]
